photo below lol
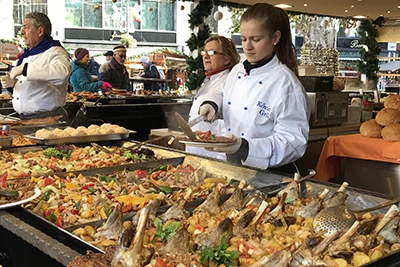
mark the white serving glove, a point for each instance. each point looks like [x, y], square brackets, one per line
[208, 111]
[231, 148]
[7, 82]
[16, 71]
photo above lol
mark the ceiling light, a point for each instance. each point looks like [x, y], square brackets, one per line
[352, 6]
[307, 5]
[388, 11]
[346, 11]
[398, 6]
[283, 6]
[360, 17]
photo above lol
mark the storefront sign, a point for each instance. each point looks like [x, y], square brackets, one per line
[9, 50]
[392, 46]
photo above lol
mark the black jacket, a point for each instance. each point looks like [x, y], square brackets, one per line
[114, 73]
[151, 71]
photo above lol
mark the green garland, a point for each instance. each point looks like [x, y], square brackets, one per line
[195, 67]
[368, 64]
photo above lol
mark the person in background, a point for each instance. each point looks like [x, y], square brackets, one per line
[108, 55]
[264, 105]
[80, 78]
[149, 71]
[93, 69]
[219, 57]
[114, 71]
[40, 78]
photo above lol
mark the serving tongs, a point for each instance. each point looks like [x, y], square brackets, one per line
[138, 145]
[256, 196]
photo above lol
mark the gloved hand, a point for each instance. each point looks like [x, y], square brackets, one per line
[7, 82]
[16, 71]
[229, 149]
[208, 111]
[106, 85]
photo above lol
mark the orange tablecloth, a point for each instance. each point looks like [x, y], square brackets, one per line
[353, 146]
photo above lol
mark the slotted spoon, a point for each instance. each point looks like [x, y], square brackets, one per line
[341, 217]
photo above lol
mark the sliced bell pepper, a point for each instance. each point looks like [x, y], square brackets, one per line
[3, 180]
[59, 221]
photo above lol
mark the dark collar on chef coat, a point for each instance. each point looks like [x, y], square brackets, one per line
[248, 66]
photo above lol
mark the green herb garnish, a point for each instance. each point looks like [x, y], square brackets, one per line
[166, 189]
[134, 156]
[52, 152]
[219, 254]
[165, 232]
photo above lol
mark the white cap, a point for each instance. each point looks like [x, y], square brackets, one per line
[144, 59]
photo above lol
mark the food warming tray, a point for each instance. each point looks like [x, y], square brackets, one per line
[80, 139]
[64, 236]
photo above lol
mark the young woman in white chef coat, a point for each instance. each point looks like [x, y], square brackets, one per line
[219, 56]
[265, 107]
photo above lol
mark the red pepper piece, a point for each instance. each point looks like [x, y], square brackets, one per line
[3, 180]
[86, 186]
[59, 221]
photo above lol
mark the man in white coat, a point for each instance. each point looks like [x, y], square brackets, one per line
[40, 79]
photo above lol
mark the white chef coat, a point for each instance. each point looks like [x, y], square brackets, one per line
[45, 86]
[269, 108]
[211, 88]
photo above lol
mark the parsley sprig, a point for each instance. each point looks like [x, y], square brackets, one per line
[164, 232]
[219, 254]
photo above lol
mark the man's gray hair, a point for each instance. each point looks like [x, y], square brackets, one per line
[40, 20]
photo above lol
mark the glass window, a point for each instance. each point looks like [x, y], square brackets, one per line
[73, 13]
[22, 8]
[210, 21]
[150, 15]
[92, 14]
[158, 15]
[167, 16]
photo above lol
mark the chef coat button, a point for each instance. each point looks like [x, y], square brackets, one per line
[239, 77]
[229, 129]
[229, 102]
[20, 81]
[245, 108]
[242, 134]
[17, 98]
[260, 82]
[195, 98]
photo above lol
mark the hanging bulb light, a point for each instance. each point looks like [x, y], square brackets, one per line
[324, 23]
[96, 6]
[150, 9]
[218, 15]
[114, 1]
[182, 7]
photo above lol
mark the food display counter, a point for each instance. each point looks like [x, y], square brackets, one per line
[368, 163]
[51, 241]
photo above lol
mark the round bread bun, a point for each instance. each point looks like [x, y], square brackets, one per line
[93, 131]
[62, 134]
[69, 130]
[47, 135]
[106, 125]
[388, 116]
[78, 133]
[371, 128]
[56, 131]
[106, 131]
[391, 132]
[82, 128]
[93, 126]
[392, 101]
[120, 130]
[40, 132]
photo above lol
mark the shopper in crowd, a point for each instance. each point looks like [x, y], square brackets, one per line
[93, 69]
[80, 78]
[108, 55]
[114, 71]
[264, 105]
[40, 78]
[149, 71]
[219, 57]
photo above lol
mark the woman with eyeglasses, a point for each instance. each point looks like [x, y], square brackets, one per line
[114, 71]
[264, 106]
[219, 56]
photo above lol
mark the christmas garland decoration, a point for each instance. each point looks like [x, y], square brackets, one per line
[368, 64]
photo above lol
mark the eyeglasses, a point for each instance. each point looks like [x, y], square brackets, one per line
[210, 52]
[121, 55]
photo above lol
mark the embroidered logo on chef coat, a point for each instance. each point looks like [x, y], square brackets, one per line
[265, 110]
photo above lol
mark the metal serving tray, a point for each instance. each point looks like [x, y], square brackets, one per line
[65, 236]
[79, 139]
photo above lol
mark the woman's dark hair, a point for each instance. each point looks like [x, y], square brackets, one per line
[275, 19]
[228, 48]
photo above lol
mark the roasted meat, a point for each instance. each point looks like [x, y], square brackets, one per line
[213, 237]
[292, 190]
[113, 226]
[235, 201]
[313, 207]
[211, 204]
[338, 198]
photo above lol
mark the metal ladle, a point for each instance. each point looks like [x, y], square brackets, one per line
[338, 218]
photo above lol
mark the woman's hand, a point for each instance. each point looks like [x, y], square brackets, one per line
[106, 85]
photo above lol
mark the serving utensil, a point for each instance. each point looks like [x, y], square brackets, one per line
[341, 217]
[185, 127]
[256, 196]
[196, 121]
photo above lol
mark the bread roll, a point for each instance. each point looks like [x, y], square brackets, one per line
[120, 130]
[40, 132]
[388, 116]
[392, 101]
[391, 132]
[371, 128]
[56, 131]
[93, 126]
